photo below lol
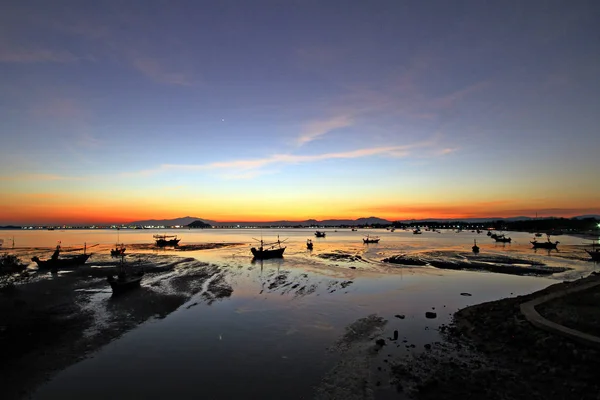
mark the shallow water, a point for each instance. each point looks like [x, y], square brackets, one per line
[273, 337]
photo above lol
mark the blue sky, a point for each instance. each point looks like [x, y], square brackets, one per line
[235, 109]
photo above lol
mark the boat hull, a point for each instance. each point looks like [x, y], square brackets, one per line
[594, 254]
[367, 241]
[62, 263]
[544, 245]
[167, 243]
[266, 254]
[120, 285]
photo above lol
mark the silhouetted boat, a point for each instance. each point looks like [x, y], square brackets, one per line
[263, 253]
[502, 239]
[56, 263]
[118, 251]
[353, 229]
[319, 234]
[164, 240]
[417, 232]
[594, 253]
[309, 244]
[125, 280]
[475, 247]
[538, 235]
[545, 245]
[371, 239]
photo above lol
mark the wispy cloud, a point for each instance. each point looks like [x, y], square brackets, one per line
[37, 178]
[155, 70]
[316, 129]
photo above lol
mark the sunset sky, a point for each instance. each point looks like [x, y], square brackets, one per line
[114, 111]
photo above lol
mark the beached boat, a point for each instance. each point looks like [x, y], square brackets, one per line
[475, 247]
[371, 239]
[502, 239]
[545, 245]
[309, 244]
[319, 234]
[56, 263]
[166, 240]
[263, 252]
[118, 251]
[594, 253]
[538, 235]
[417, 232]
[123, 282]
[354, 229]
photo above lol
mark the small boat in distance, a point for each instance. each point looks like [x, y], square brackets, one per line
[56, 263]
[538, 235]
[371, 239]
[354, 229]
[319, 234]
[475, 247]
[118, 251]
[502, 239]
[417, 231]
[274, 251]
[309, 244]
[545, 245]
[166, 240]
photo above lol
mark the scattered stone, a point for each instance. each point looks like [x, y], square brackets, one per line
[430, 315]
[400, 316]
[395, 335]
[380, 342]
[428, 346]
[467, 294]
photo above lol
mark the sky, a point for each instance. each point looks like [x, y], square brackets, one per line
[115, 111]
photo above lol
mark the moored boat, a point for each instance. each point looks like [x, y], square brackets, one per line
[502, 239]
[319, 234]
[309, 244]
[545, 245]
[274, 251]
[123, 283]
[371, 239]
[595, 254]
[56, 263]
[166, 240]
[475, 247]
[118, 251]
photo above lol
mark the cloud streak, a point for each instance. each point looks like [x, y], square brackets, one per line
[317, 129]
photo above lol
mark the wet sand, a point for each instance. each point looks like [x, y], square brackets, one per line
[76, 315]
[52, 322]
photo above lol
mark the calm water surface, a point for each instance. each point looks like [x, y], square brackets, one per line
[262, 343]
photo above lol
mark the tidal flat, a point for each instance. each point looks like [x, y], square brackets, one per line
[210, 321]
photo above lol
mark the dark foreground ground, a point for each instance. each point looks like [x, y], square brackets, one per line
[492, 352]
[50, 323]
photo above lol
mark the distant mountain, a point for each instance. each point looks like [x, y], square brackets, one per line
[199, 225]
[596, 216]
[171, 222]
[311, 222]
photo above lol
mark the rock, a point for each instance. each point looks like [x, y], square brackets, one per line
[467, 294]
[380, 342]
[430, 315]
[352, 267]
[400, 316]
[428, 346]
[395, 335]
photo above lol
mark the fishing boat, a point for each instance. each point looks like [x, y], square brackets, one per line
[319, 234]
[166, 240]
[545, 245]
[118, 251]
[417, 231]
[475, 247]
[309, 244]
[268, 250]
[371, 239]
[354, 229]
[56, 263]
[594, 253]
[502, 239]
[125, 280]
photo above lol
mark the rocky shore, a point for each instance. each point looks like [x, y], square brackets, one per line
[492, 352]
